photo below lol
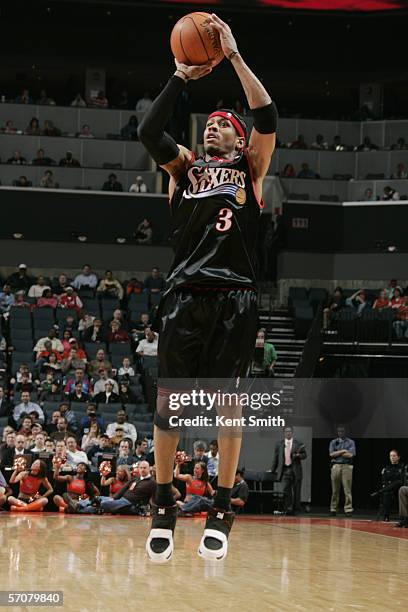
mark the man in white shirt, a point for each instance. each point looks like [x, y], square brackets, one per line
[75, 456]
[56, 344]
[129, 430]
[139, 186]
[36, 290]
[144, 103]
[148, 346]
[213, 459]
[87, 278]
[39, 443]
[99, 386]
[27, 407]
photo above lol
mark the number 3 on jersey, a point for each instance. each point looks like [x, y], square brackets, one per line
[224, 221]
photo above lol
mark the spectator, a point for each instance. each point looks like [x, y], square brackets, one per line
[123, 101]
[213, 459]
[134, 286]
[103, 379]
[70, 300]
[126, 371]
[56, 343]
[400, 145]
[60, 286]
[144, 103]
[22, 181]
[320, 143]
[39, 446]
[382, 301]
[69, 161]
[139, 186]
[129, 131]
[73, 361]
[9, 128]
[78, 101]
[86, 279]
[78, 395]
[398, 300]
[49, 446]
[306, 172]
[17, 159]
[37, 290]
[94, 333]
[288, 171]
[9, 454]
[90, 417]
[24, 98]
[100, 362]
[401, 324]
[148, 346]
[47, 181]
[337, 144]
[368, 195]
[126, 395]
[112, 184]
[144, 233]
[42, 160]
[91, 438]
[6, 299]
[33, 128]
[50, 129]
[299, 143]
[390, 194]
[27, 407]
[268, 356]
[19, 299]
[141, 449]
[141, 326]
[85, 132]
[155, 282]
[79, 376]
[129, 430]
[342, 451]
[125, 454]
[357, 301]
[61, 431]
[98, 101]
[44, 100]
[335, 304]
[75, 456]
[47, 300]
[116, 333]
[108, 396]
[367, 145]
[52, 395]
[4, 403]
[119, 318]
[110, 286]
[400, 172]
[102, 446]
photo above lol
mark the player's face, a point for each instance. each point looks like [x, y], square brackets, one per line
[220, 137]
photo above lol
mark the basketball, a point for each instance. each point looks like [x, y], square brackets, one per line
[194, 42]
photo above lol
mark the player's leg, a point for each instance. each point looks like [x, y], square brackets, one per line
[232, 343]
[178, 355]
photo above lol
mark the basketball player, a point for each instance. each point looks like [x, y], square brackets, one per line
[208, 314]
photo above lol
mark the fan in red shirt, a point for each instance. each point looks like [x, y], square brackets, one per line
[398, 301]
[73, 344]
[70, 300]
[114, 483]
[117, 333]
[382, 301]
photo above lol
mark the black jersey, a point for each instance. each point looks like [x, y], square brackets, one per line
[215, 216]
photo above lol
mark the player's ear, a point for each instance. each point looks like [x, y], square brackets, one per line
[240, 144]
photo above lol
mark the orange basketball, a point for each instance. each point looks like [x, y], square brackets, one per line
[194, 42]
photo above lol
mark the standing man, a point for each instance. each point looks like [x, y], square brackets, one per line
[208, 315]
[287, 465]
[342, 451]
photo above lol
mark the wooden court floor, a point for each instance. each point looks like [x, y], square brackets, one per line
[280, 564]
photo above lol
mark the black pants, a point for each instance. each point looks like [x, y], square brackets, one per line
[291, 488]
[207, 333]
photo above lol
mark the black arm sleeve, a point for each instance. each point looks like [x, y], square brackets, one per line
[161, 146]
[265, 118]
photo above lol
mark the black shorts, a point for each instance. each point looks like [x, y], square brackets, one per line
[207, 333]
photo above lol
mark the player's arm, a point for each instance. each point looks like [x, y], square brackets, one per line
[174, 158]
[263, 137]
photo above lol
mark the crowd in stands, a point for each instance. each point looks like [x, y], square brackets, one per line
[391, 300]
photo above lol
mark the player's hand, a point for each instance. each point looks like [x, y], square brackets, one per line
[192, 73]
[228, 42]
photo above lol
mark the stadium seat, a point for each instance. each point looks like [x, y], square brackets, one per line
[45, 315]
[139, 299]
[18, 312]
[303, 320]
[62, 313]
[297, 293]
[155, 298]
[22, 346]
[109, 408]
[21, 334]
[328, 198]
[122, 349]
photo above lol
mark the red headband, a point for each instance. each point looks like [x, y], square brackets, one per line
[238, 127]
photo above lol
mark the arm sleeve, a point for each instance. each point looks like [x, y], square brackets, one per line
[161, 146]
